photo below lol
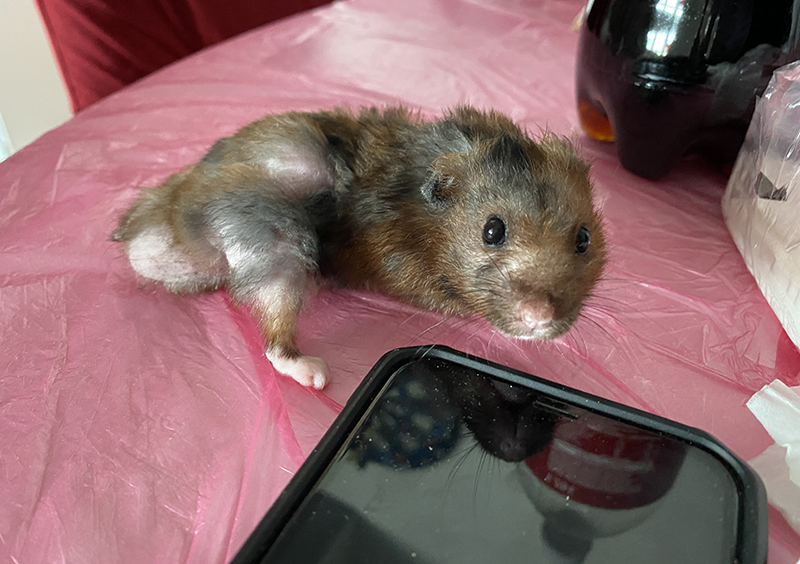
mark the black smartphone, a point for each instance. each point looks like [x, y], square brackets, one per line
[443, 457]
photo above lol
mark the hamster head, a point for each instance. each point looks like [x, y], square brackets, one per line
[519, 240]
[506, 420]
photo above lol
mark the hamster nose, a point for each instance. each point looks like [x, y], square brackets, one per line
[537, 316]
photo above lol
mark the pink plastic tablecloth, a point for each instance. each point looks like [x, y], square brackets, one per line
[142, 427]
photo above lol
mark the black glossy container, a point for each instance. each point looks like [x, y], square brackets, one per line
[663, 78]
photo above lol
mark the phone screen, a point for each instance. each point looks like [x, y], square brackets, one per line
[451, 465]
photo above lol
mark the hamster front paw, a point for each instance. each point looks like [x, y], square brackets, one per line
[309, 371]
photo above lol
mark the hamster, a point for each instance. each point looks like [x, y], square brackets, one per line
[465, 215]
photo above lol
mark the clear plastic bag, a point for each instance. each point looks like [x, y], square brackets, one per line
[761, 204]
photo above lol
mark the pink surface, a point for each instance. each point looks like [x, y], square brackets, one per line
[143, 427]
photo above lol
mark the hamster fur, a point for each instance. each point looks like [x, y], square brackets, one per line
[464, 215]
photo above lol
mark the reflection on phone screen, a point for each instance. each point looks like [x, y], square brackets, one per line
[451, 465]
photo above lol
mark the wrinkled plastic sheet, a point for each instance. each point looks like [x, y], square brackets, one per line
[138, 426]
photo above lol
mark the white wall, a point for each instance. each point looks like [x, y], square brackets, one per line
[5, 143]
[32, 95]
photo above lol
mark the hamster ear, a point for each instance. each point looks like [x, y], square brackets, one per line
[438, 190]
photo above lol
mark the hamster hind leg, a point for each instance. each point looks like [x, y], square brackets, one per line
[156, 252]
[154, 255]
[272, 250]
[276, 307]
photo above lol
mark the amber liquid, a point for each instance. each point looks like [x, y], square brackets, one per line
[595, 124]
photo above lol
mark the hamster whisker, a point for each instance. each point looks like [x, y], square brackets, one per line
[593, 306]
[517, 344]
[456, 324]
[425, 354]
[588, 319]
[488, 346]
[482, 292]
[564, 355]
[411, 317]
[484, 300]
[591, 311]
[475, 332]
[481, 464]
[488, 466]
[609, 278]
[607, 284]
[462, 457]
[573, 336]
[464, 339]
[576, 355]
[502, 272]
[432, 327]
[595, 303]
[613, 305]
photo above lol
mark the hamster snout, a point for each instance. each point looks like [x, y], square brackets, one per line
[465, 215]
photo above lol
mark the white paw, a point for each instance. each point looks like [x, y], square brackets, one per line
[307, 370]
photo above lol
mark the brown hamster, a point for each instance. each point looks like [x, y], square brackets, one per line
[464, 215]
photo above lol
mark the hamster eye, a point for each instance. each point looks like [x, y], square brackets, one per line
[494, 232]
[582, 241]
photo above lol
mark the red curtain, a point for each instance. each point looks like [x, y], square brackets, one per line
[102, 45]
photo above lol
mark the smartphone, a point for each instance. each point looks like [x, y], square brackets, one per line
[442, 457]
